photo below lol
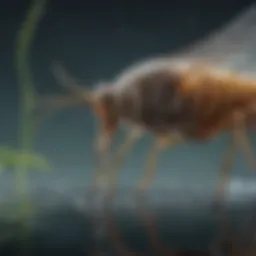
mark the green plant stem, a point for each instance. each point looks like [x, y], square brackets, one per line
[27, 103]
[27, 94]
[25, 79]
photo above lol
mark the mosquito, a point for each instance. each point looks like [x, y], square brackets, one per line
[182, 98]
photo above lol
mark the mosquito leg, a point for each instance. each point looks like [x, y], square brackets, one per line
[95, 197]
[149, 169]
[118, 159]
[112, 167]
[239, 141]
[151, 161]
[102, 148]
[247, 148]
[109, 165]
[221, 241]
[147, 218]
[227, 163]
[244, 143]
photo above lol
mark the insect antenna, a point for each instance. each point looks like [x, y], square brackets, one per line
[48, 105]
[70, 83]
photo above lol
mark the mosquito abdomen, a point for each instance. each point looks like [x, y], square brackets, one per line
[216, 97]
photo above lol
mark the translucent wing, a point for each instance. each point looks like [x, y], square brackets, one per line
[230, 46]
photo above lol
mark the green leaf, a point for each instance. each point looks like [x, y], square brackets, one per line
[12, 157]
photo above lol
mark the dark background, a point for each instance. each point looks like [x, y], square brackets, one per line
[96, 40]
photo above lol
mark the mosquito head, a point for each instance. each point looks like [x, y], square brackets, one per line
[104, 106]
[101, 99]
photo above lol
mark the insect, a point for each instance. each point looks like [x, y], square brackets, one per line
[187, 97]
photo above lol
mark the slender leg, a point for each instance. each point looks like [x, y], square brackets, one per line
[151, 161]
[95, 197]
[239, 141]
[244, 143]
[108, 169]
[149, 169]
[118, 159]
[227, 162]
[102, 146]
[221, 242]
[112, 170]
[147, 218]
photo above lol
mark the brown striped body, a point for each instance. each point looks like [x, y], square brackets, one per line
[188, 97]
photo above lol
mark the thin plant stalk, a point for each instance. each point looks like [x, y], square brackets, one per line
[27, 98]
[27, 92]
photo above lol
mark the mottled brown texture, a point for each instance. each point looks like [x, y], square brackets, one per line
[163, 96]
[155, 102]
[199, 101]
[215, 98]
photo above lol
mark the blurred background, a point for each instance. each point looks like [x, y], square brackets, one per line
[96, 40]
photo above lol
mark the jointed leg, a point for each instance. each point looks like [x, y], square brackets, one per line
[243, 142]
[239, 141]
[223, 233]
[102, 148]
[227, 162]
[150, 167]
[110, 167]
[118, 159]
[149, 171]
[102, 151]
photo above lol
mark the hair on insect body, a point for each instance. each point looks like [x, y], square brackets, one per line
[176, 99]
